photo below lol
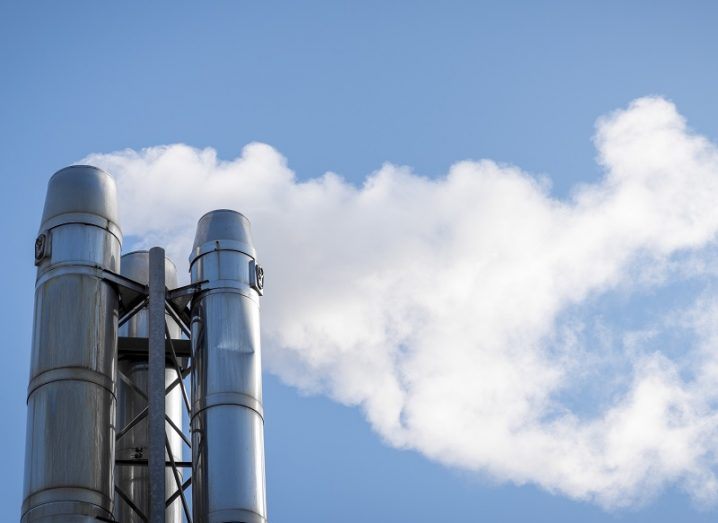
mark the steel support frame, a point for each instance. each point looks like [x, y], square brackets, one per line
[160, 348]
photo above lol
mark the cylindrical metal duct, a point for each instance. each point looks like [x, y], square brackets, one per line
[134, 480]
[71, 399]
[227, 419]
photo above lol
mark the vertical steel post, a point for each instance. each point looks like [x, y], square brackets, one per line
[156, 385]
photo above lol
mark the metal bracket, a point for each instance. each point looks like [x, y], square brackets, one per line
[131, 292]
[178, 301]
[42, 247]
[256, 277]
[182, 296]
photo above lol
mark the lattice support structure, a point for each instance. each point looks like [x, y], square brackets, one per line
[159, 350]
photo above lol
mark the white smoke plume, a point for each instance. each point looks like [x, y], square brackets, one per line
[453, 310]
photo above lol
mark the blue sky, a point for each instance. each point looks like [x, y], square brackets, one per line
[346, 87]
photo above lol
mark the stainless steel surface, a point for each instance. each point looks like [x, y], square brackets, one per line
[71, 401]
[227, 424]
[134, 480]
[81, 194]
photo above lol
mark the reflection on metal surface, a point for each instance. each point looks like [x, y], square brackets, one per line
[71, 399]
[228, 476]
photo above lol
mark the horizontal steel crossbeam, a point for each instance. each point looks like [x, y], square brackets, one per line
[139, 347]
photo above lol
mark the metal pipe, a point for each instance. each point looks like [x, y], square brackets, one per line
[134, 445]
[71, 399]
[227, 419]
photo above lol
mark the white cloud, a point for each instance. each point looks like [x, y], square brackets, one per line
[437, 305]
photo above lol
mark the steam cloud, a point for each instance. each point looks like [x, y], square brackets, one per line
[457, 312]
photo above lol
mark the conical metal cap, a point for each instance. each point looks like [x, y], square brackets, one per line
[81, 194]
[223, 229]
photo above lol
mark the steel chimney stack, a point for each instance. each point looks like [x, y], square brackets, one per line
[229, 482]
[71, 397]
[114, 340]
